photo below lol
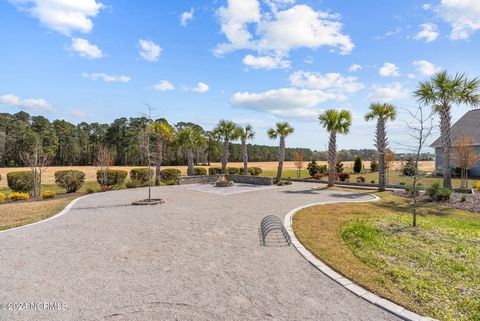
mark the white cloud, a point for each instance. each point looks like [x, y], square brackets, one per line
[32, 104]
[330, 82]
[355, 67]
[279, 30]
[64, 16]
[265, 62]
[77, 113]
[284, 102]
[462, 15]
[85, 49]
[164, 85]
[388, 93]
[428, 32]
[186, 16]
[149, 50]
[427, 6]
[106, 77]
[426, 68]
[200, 88]
[389, 70]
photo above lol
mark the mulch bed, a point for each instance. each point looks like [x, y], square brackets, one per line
[471, 203]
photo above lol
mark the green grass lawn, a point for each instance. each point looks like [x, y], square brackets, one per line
[433, 270]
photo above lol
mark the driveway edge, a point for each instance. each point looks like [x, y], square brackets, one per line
[385, 304]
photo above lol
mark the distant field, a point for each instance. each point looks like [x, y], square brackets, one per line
[269, 167]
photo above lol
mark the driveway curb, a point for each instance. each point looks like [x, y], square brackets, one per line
[346, 283]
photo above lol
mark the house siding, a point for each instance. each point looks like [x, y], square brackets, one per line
[474, 171]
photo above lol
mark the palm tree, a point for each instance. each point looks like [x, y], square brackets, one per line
[164, 133]
[244, 134]
[281, 131]
[383, 113]
[441, 92]
[225, 131]
[191, 139]
[335, 122]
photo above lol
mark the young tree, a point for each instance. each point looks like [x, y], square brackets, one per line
[298, 159]
[190, 139]
[164, 133]
[37, 160]
[244, 134]
[465, 156]
[383, 113]
[357, 165]
[335, 122]
[226, 131]
[281, 131]
[442, 92]
[104, 158]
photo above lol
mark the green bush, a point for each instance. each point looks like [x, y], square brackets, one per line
[16, 196]
[339, 167]
[131, 184]
[70, 180]
[437, 193]
[214, 170]
[313, 168]
[234, 171]
[433, 189]
[255, 171]
[170, 174]
[47, 195]
[21, 182]
[409, 168]
[374, 166]
[200, 171]
[140, 177]
[357, 166]
[114, 178]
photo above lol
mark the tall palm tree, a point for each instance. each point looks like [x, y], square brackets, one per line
[164, 133]
[335, 122]
[442, 92]
[281, 131]
[226, 131]
[245, 133]
[383, 113]
[190, 139]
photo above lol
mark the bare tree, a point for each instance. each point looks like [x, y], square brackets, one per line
[298, 159]
[465, 156]
[104, 158]
[37, 160]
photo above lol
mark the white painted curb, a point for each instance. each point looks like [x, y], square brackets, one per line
[63, 212]
[346, 283]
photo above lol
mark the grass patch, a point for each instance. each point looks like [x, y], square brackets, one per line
[433, 270]
[18, 214]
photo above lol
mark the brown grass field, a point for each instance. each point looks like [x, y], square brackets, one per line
[90, 171]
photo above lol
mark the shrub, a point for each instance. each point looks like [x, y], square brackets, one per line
[374, 166]
[2, 197]
[170, 174]
[21, 182]
[443, 194]
[199, 171]
[464, 198]
[140, 177]
[90, 190]
[360, 179]
[114, 178]
[343, 177]
[214, 170]
[70, 180]
[410, 190]
[233, 171]
[313, 168]
[131, 184]
[284, 183]
[372, 181]
[433, 189]
[255, 171]
[409, 168]
[47, 195]
[168, 183]
[339, 167]
[477, 186]
[17, 196]
[357, 166]
[402, 183]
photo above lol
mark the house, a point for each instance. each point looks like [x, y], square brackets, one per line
[468, 125]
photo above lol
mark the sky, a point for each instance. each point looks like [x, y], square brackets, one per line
[254, 62]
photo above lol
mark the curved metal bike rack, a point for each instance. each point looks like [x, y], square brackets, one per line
[270, 223]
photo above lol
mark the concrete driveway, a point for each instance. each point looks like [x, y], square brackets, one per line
[195, 257]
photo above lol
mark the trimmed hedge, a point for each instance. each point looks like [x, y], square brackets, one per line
[170, 174]
[255, 171]
[141, 176]
[214, 170]
[70, 180]
[16, 196]
[199, 171]
[114, 178]
[234, 171]
[47, 195]
[21, 182]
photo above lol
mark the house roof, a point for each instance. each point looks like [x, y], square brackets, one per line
[468, 125]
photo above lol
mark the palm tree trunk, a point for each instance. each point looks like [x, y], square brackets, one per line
[158, 176]
[381, 142]
[332, 155]
[281, 158]
[245, 158]
[225, 156]
[445, 133]
[191, 167]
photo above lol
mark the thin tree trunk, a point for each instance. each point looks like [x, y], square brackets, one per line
[191, 166]
[158, 176]
[225, 155]
[281, 158]
[245, 158]
[381, 146]
[332, 155]
[445, 126]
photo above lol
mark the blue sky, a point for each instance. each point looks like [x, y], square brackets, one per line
[251, 61]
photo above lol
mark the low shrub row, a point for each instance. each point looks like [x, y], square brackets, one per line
[253, 171]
